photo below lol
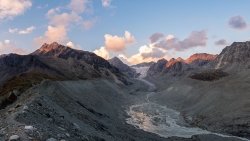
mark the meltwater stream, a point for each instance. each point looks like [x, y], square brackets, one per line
[166, 122]
[163, 121]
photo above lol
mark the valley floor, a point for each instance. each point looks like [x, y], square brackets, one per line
[89, 110]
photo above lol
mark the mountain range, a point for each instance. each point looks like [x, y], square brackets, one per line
[61, 93]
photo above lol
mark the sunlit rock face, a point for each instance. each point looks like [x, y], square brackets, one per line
[200, 59]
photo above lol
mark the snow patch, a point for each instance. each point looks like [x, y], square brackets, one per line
[142, 70]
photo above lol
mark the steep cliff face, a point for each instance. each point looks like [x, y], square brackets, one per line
[237, 53]
[122, 67]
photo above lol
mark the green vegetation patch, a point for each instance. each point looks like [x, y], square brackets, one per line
[208, 75]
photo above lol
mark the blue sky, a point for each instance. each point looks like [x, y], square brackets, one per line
[183, 27]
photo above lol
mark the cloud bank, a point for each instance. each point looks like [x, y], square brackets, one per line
[195, 39]
[145, 54]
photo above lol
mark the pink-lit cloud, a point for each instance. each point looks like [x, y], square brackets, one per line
[118, 44]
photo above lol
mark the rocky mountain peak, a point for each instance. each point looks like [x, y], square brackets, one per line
[238, 53]
[52, 49]
[122, 67]
[179, 59]
[173, 61]
[115, 60]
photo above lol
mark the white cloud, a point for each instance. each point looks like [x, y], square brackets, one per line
[145, 54]
[102, 52]
[118, 44]
[72, 45]
[169, 37]
[13, 30]
[7, 41]
[106, 3]
[53, 34]
[78, 6]
[27, 30]
[7, 48]
[12, 8]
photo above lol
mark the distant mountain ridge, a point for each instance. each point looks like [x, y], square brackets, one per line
[180, 66]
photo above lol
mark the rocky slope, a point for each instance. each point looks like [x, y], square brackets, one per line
[122, 67]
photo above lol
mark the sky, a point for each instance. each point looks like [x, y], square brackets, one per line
[134, 30]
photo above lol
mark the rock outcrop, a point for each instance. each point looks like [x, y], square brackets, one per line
[122, 67]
